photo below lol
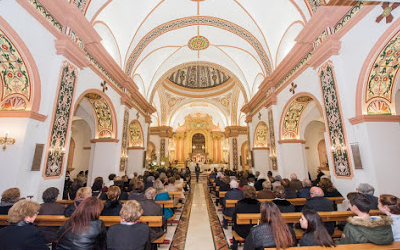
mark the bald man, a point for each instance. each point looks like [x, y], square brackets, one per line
[294, 182]
[319, 203]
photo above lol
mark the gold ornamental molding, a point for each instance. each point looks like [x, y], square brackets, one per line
[234, 131]
[161, 131]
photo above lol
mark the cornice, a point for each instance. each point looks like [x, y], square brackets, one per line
[66, 47]
[61, 16]
[104, 140]
[162, 131]
[374, 118]
[261, 148]
[291, 141]
[317, 41]
[234, 131]
[23, 114]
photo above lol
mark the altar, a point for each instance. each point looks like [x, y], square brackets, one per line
[199, 157]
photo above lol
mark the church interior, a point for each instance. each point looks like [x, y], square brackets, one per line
[310, 87]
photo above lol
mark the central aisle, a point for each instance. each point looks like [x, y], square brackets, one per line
[199, 231]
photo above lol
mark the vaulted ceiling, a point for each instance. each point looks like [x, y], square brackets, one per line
[248, 38]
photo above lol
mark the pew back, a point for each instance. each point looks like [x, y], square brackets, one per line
[58, 220]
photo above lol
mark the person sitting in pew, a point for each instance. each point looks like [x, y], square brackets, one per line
[247, 205]
[137, 192]
[390, 205]
[369, 190]
[284, 205]
[266, 192]
[162, 195]
[50, 207]
[319, 203]
[315, 233]
[22, 233]
[233, 194]
[364, 228]
[82, 194]
[84, 230]
[295, 183]
[329, 190]
[150, 208]
[112, 206]
[305, 191]
[8, 198]
[129, 234]
[290, 193]
[272, 232]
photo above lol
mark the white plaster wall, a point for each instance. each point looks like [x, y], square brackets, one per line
[293, 160]
[16, 161]
[135, 161]
[261, 160]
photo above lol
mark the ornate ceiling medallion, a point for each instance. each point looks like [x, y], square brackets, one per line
[198, 43]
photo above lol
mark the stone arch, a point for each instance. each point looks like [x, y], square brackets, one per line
[104, 112]
[261, 135]
[289, 128]
[379, 75]
[136, 137]
[20, 81]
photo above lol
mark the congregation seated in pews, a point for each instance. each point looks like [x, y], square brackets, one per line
[138, 221]
[360, 225]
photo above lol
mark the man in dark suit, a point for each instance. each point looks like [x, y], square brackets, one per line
[319, 203]
[197, 170]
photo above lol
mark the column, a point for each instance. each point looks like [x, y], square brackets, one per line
[104, 158]
[293, 158]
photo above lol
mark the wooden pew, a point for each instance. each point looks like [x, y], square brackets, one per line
[58, 220]
[366, 246]
[253, 219]
[295, 202]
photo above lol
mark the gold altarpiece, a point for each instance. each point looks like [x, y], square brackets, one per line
[183, 148]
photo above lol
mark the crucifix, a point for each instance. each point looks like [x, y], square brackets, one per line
[104, 85]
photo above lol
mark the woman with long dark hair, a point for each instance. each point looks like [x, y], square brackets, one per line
[272, 232]
[315, 233]
[84, 230]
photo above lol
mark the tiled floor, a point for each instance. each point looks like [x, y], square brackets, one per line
[199, 225]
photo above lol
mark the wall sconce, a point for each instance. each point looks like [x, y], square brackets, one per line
[5, 141]
[203, 147]
[272, 156]
[193, 147]
[124, 156]
[338, 148]
[57, 150]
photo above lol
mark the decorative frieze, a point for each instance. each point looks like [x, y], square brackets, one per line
[272, 147]
[61, 122]
[162, 148]
[235, 153]
[124, 143]
[334, 120]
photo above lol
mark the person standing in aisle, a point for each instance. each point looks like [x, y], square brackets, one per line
[197, 170]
